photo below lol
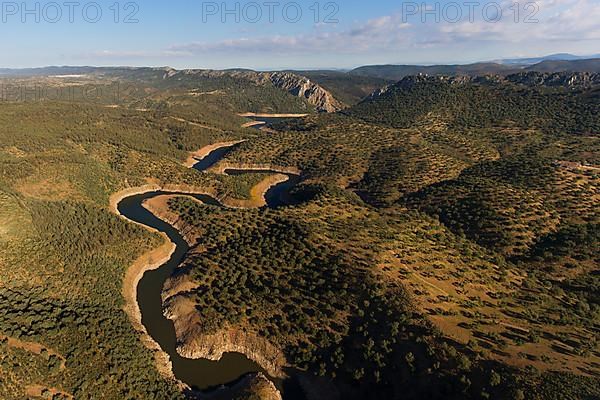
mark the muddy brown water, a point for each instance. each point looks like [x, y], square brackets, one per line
[200, 374]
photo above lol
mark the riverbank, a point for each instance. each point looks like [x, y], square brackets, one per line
[193, 344]
[223, 166]
[263, 115]
[206, 150]
[252, 124]
[159, 206]
[148, 261]
[258, 193]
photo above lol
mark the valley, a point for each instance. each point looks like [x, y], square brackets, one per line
[200, 374]
[236, 234]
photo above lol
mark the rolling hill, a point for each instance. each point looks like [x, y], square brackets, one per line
[525, 100]
[397, 72]
[444, 245]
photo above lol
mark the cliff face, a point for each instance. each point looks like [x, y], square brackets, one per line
[294, 84]
[301, 86]
[251, 387]
[194, 342]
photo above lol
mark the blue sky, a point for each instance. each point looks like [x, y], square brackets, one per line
[272, 35]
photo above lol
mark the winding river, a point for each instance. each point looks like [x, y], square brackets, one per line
[197, 373]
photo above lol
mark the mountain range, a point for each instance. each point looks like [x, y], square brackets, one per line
[551, 57]
[397, 72]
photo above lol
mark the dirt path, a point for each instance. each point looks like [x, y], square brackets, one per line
[46, 392]
[33, 347]
[425, 281]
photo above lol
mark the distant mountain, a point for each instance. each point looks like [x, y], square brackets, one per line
[294, 84]
[551, 57]
[585, 65]
[47, 71]
[82, 70]
[397, 72]
[330, 91]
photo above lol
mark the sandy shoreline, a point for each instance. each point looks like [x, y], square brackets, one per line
[146, 262]
[257, 193]
[206, 150]
[221, 167]
[253, 123]
[263, 115]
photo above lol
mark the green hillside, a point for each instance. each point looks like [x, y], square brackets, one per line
[445, 244]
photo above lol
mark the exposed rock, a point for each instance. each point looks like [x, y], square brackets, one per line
[251, 387]
[301, 86]
[294, 84]
[377, 93]
[569, 80]
[169, 72]
[565, 79]
[258, 387]
[194, 342]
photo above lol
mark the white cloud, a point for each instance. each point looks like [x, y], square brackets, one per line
[566, 21]
[557, 20]
[119, 55]
[379, 33]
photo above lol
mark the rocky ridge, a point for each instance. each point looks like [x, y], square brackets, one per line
[301, 86]
[569, 80]
[294, 84]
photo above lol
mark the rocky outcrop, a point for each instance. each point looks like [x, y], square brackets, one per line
[294, 84]
[301, 86]
[251, 387]
[414, 80]
[567, 80]
[564, 79]
[195, 343]
[377, 93]
[259, 387]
